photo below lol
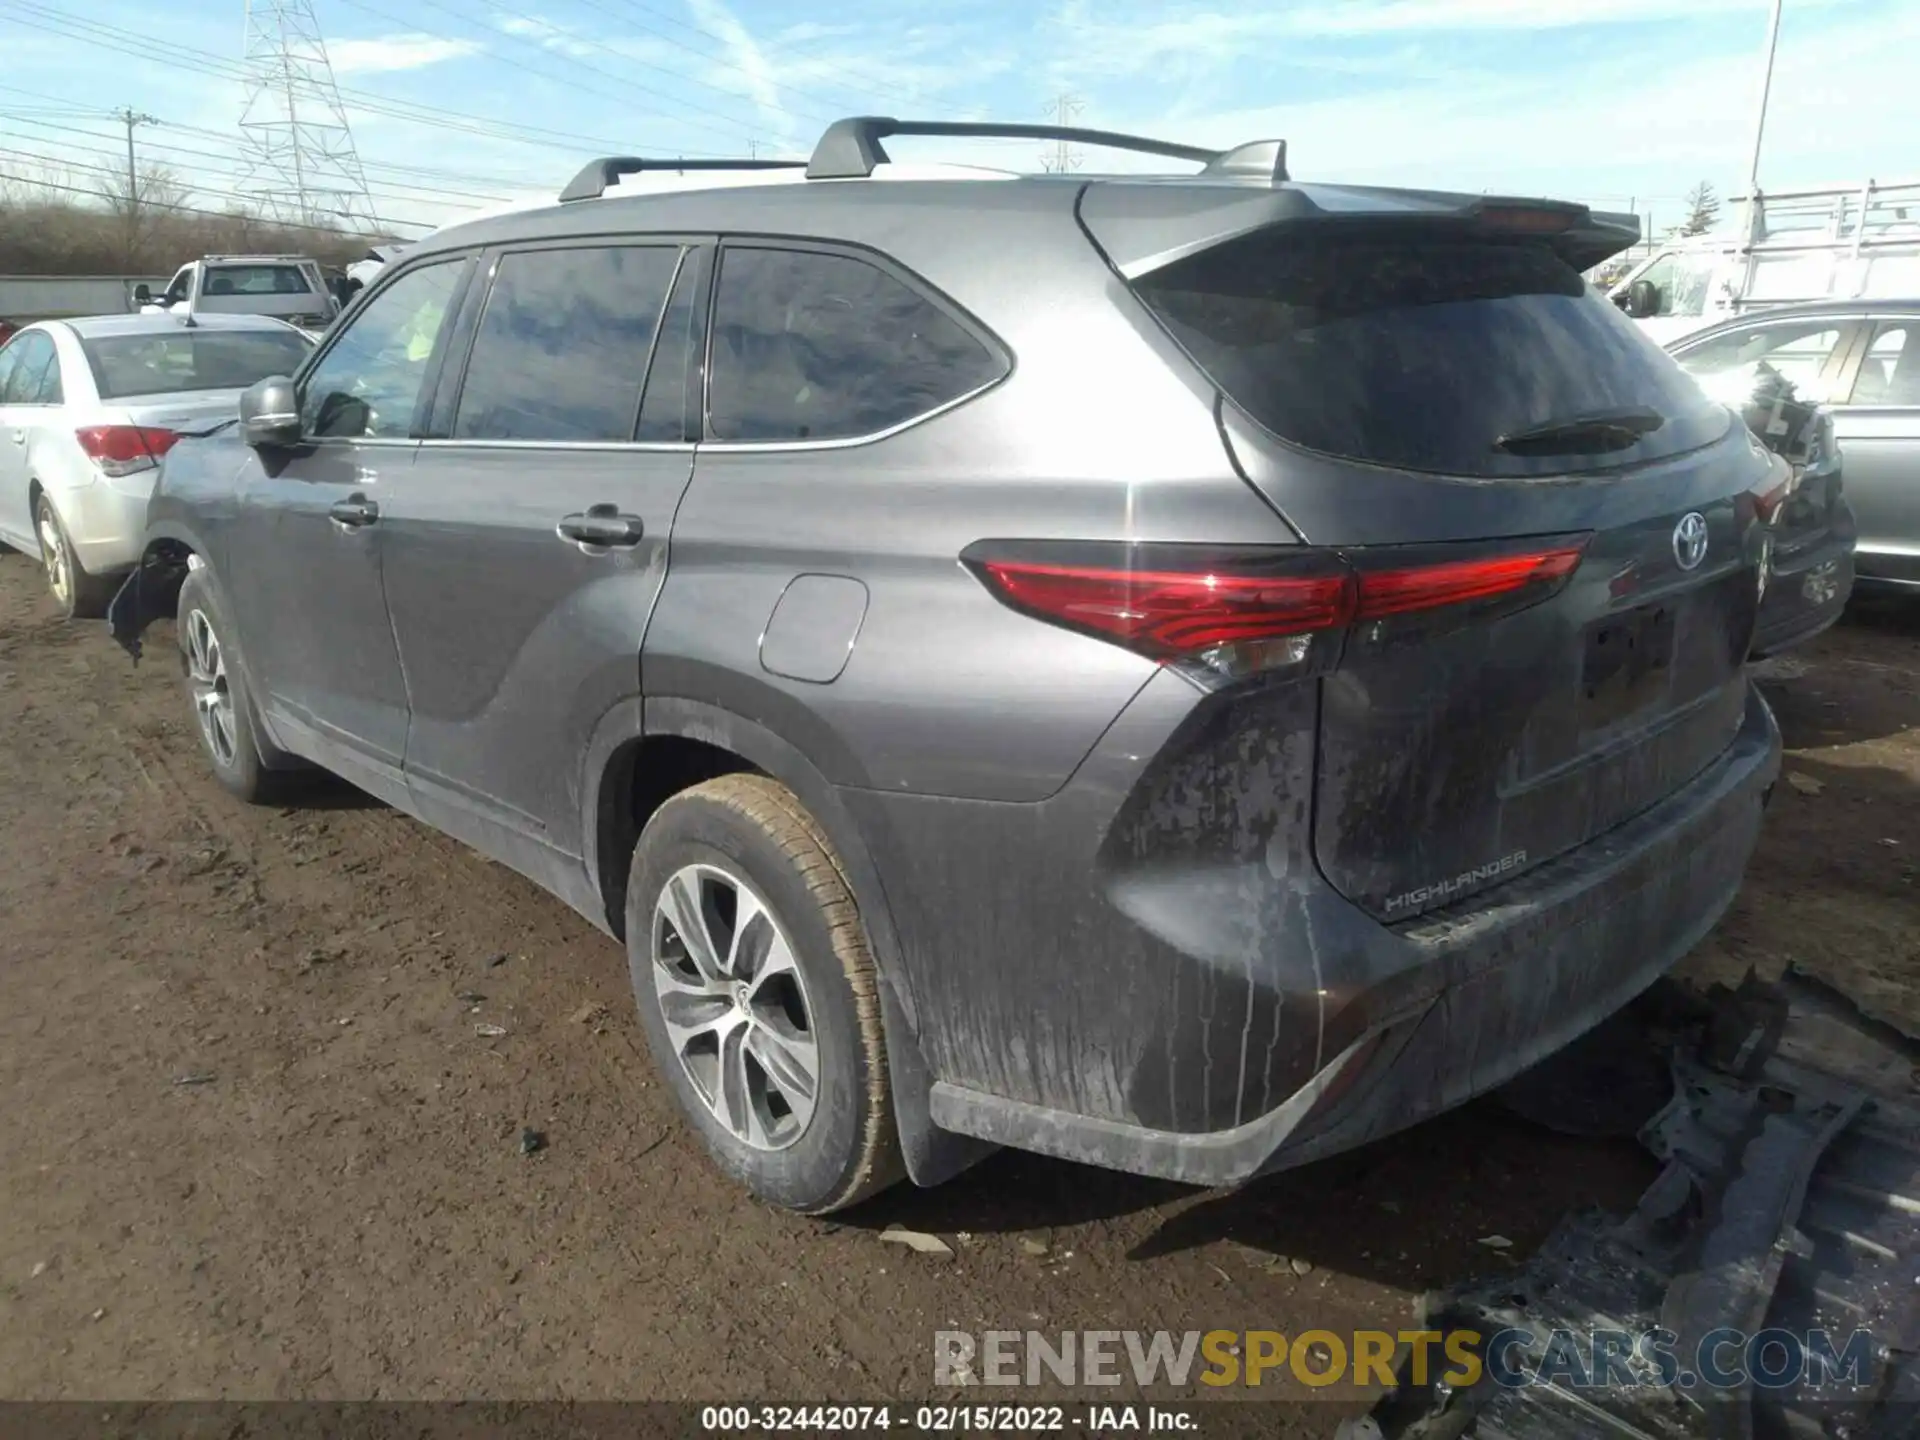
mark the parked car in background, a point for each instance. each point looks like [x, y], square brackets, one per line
[285, 287]
[87, 409]
[1849, 242]
[1859, 361]
[1137, 704]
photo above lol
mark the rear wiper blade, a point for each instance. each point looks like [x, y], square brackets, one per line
[1583, 434]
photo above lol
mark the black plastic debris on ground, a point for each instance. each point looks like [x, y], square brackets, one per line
[1789, 1201]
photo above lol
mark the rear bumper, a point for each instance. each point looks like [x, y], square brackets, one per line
[105, 521]
[1375, 1028]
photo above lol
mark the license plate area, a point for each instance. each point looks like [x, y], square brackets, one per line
[1626, 665]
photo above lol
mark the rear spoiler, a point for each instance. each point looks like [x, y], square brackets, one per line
[1143, 228]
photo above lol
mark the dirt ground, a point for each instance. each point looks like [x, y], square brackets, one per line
[340, 1208]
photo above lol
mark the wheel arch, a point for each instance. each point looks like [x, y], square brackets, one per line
[152, 591]
[723, 737]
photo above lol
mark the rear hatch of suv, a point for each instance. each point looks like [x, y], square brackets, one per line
[1551, 529]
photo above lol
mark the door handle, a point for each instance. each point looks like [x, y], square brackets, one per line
[19, 437]
[602, 525]
[354, 512]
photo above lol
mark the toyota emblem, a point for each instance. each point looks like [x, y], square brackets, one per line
[1690, 540]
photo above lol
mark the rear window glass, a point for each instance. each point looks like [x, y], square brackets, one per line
[1426, 352]
[129, 365]
[256, 280]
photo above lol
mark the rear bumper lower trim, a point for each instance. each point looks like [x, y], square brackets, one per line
[1531, 966]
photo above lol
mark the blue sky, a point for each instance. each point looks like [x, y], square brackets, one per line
[1600, 100]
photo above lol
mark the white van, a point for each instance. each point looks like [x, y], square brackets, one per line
[1856, 242]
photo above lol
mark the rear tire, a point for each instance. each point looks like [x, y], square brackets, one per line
[79, 594]
[759, 995]
[220, 701]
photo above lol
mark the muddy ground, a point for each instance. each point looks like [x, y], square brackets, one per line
[342, 1209]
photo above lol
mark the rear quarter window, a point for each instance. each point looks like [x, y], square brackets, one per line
[1422, 350]
[810, 345]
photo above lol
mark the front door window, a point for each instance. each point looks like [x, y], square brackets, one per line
[369, 381]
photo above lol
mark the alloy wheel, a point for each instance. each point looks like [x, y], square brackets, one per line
[207, 678]
[735, 1006]
[53, 555]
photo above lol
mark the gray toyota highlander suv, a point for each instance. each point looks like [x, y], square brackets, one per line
[1188, 672]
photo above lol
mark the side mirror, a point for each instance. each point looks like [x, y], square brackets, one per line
[143, 294]
[1643, 299]
[270, 413]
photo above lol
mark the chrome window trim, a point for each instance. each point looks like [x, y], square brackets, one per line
[849, 441]
[663, 446]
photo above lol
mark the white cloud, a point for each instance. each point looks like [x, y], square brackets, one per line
[1842, 105]
[748, 67]
[1372, 17]
[396, 52]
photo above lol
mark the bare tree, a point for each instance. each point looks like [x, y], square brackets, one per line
[142, 203]
[64, 221]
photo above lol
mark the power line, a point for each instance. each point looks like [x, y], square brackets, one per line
[419, 194]
[185, 57]
[226, 137]
[863, 84]
[625, 94]
[63, 162]
[542, 34]
[834, 108]
[184, 209]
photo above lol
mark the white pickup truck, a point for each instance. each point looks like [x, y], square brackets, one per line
[1840, 243]
[286, 287]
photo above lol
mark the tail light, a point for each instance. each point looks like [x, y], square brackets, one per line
[1229, 613]
[125, 449]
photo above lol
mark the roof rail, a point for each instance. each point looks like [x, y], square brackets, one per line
[851, 149]
[594, 179]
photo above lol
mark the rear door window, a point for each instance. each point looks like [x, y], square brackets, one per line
[35, 376]
[1890, 370]
[1425, 350]
[1800, 352]
[562, 348]
[811, 345]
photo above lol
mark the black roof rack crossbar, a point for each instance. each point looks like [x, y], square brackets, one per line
[851, 148]
[594, 179]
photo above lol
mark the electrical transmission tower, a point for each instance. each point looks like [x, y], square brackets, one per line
[298, 164]
[1061, 156]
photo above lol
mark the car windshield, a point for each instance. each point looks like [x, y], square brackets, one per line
[1403, 347]
[128, 365]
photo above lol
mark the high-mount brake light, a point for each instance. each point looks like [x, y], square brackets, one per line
[1240, 612]
[1527, 220]
[125, 449]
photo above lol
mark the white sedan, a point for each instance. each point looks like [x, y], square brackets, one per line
[88, 407]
